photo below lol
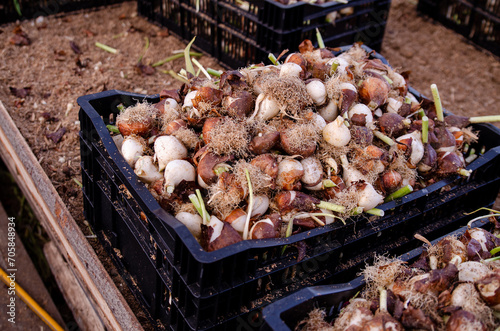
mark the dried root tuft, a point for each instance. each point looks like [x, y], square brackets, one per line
[229, 138]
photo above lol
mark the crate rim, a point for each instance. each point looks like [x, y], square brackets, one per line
[337, 5]
[142, 195]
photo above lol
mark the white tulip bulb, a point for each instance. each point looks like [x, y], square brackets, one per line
[177, 171]
[191, 221]
[147, 170]
[317, 91]
[336, 133]
[290, 69]
[168, 148]
[369, 198]
[132, 149]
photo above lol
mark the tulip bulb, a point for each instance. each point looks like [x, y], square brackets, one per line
[472, 271]
[237, 219]
[317, 91]
[360, 115]
[265, 226]
[132, 148]
[336, 133]
[217, 225]
[330, 111]
[268, 227]
[147, 170]
[342, 64]
[313, 174]
[260, 205]
[391, 180]
[318, 121]
[414, 142]
[188, 99]
[290, 69]
[170, 106]
[368, 197]
[191, 221]
[290, 172]
[350, 174]
[177, 171]
[393, 105]
[168, 148]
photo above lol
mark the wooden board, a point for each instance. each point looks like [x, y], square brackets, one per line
[28, 278]
[62, 228]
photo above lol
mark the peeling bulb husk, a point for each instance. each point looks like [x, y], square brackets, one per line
[265, 108]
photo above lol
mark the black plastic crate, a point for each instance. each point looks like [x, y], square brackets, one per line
[286, 313]
[185, 287]
[34, 8]
[238, 33]
[176, 281]
[476, 20]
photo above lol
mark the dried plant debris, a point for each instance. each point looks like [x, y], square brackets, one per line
[20, 92]
[20, 38]
[56, 136]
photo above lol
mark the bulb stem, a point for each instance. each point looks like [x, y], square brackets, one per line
[376, 212]
[399, 193]
[470, 158]
[383, 137]
[331, 206]
[485, 119]
[425, 129]
[273, 59]
[321, 43]
[106, 48]
[250, 205]
[174, 57]
[464, 172]
[495, 250]
[334, 67]
[214, 72]
[437, 103]
[383, 301]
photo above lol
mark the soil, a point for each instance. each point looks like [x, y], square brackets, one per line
[54, 73]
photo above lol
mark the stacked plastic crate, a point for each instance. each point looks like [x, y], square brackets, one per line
[476, 20]
[238, 33]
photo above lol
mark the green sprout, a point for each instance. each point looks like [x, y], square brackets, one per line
[106, 48]
[146, 46]
[17, 6]
[437, 103]
[321, 43]
[250, 205]
[425, 129]
[113, 128]
[272, 58]
[174, 57]
[199, 205]
[214, 72]
[399, 193]
[187, 57]
[383, 137]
